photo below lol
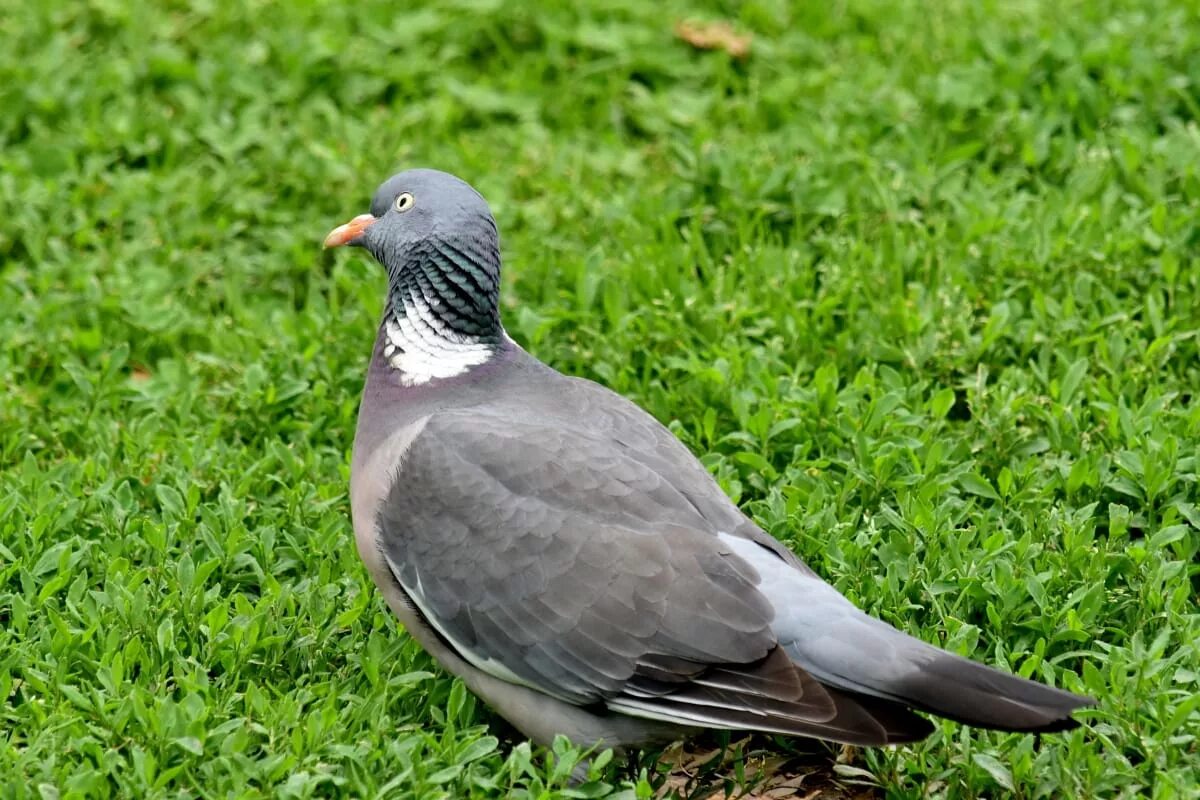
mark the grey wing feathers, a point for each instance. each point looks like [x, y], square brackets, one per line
[552, 557]
[564, 563]
[628, 426]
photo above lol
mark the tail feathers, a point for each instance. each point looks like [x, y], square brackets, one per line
[968, 692]
[828, 637]
[865, 656]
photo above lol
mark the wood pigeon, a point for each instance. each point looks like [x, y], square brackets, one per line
[560, 551]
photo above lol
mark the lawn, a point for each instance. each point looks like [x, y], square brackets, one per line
[918, 282]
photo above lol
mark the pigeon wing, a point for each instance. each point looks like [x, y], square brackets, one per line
[551, 555]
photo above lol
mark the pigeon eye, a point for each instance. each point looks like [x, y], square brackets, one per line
[404, 201]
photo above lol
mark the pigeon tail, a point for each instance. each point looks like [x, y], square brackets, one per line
[830, 638]
[863, 655]
[975, 694]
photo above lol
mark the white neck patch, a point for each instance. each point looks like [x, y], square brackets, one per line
[421, 347]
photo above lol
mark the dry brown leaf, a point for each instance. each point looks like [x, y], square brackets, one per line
[714, 36]
[696, 770]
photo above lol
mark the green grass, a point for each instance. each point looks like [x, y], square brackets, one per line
[919, 282]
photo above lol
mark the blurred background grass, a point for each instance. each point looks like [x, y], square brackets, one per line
[920, 282]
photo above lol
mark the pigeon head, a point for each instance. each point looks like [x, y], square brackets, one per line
[436, 238]
[415, 207]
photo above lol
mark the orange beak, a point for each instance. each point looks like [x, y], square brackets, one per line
[345, 234]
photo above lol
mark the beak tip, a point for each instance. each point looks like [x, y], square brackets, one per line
[346, 234]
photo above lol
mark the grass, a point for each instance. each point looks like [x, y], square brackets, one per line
[918, 282]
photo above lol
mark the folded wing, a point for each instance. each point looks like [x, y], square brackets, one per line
[557, 558]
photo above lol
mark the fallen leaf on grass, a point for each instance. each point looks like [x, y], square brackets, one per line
[714, 36]
[696, 770]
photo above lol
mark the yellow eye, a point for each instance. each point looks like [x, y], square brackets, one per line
[404, 201]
